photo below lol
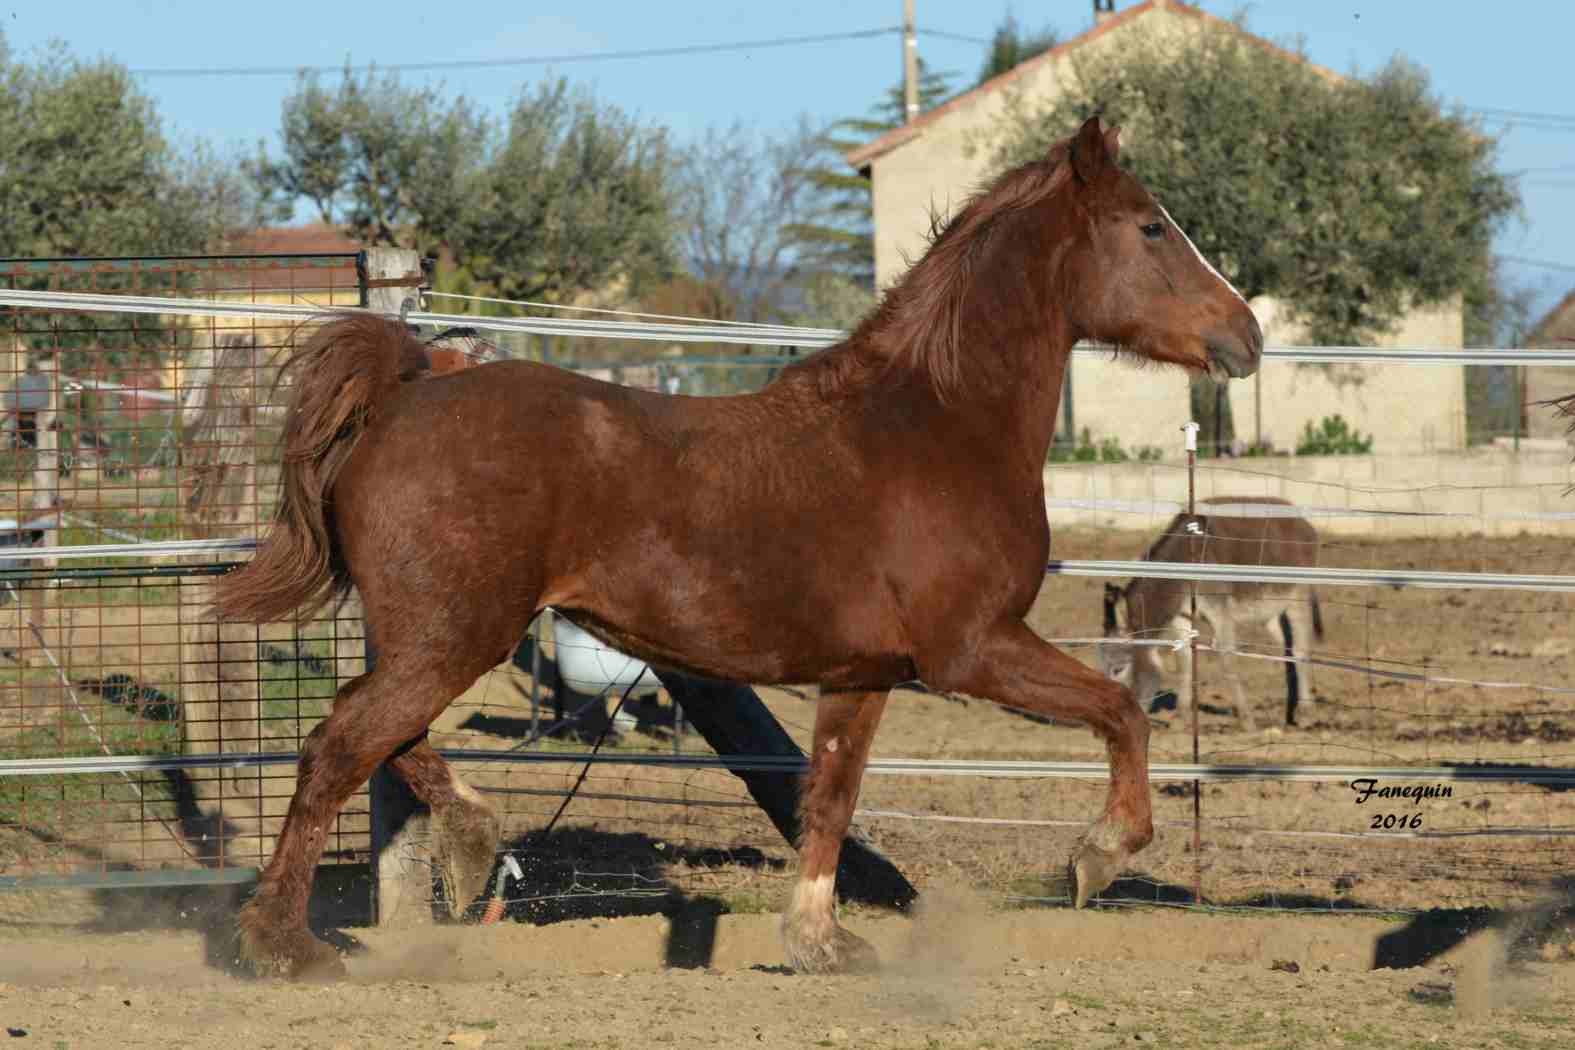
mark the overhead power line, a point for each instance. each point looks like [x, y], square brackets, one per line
[1535, 120]
[1523, 118]
[1520, 114]
[1542, 264]
[529, 60]
[965, 38]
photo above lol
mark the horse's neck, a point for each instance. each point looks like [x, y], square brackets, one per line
[1037, 401]
[1015, 403]
[1015, 346]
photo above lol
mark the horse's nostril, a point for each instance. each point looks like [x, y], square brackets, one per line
[1234, 358]
[1254, 335]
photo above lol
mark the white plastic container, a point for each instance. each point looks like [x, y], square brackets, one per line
[587, 665]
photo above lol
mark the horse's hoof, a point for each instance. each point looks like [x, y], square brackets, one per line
[467, 851]
[323, 965]
[839, 952]
[294, 956]
[1090, 871]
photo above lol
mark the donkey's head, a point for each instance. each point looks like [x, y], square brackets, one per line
[1115, 661]
[1135, 666]
[1140, 284]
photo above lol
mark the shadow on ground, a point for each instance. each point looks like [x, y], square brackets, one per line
[1528, 931]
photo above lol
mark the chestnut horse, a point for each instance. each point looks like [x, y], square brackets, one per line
[874, 516]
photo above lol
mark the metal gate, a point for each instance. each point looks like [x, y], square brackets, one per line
[121, 433]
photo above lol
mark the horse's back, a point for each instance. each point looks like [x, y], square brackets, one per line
[520, 446]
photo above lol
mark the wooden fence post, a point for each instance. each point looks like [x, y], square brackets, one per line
[401, 827]
[45, 505]
[219, 665]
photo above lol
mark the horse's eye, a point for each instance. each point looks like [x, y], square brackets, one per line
[1154, 231]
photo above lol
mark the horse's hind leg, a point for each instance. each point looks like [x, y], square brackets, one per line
[1016, 667]
[373, 715]
[464, 826]
[844, 728]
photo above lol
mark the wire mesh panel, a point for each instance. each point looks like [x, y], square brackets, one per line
[127, 419]
[117, 679]
[122, 429]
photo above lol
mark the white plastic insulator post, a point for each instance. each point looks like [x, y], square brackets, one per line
[1192, 436]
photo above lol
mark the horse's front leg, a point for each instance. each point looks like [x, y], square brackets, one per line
[1013, 666]
[844, 728]
[465, 828]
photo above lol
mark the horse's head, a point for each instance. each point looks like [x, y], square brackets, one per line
[1139, 283]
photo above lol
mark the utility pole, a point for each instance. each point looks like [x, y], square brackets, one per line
[910, 64]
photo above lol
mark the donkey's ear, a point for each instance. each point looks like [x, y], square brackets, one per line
[1090, 155]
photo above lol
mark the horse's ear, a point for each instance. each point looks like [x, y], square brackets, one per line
[1113, 143]
[1091, 156]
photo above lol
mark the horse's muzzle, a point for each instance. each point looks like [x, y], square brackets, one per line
[1237, 348]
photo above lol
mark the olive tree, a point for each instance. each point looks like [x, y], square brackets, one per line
[563, 196]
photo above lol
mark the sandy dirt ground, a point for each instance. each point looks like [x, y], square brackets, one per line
[954, 977]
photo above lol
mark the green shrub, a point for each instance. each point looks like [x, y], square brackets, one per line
[1108, 450]
[1332, 437]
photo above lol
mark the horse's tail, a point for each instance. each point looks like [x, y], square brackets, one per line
[1317, 617]
[352, 363]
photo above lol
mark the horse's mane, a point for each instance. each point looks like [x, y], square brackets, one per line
[918, 325]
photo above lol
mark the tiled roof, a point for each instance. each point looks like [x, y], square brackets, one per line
[864, 155]
[1557, 325]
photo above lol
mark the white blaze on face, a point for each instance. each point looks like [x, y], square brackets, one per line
[1206, 264]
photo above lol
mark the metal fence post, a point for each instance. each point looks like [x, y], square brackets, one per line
[1194, 686]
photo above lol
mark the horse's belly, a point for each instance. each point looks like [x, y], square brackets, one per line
[764, 633]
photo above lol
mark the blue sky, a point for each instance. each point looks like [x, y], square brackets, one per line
[1506, 57]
